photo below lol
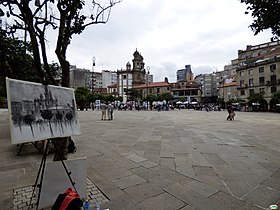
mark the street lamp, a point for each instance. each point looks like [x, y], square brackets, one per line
[147, 84]
[92, 73]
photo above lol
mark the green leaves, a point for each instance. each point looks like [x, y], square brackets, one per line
[266, 15]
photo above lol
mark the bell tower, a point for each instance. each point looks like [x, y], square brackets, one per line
[138, 70]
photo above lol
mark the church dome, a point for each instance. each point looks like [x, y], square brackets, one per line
[136, 53]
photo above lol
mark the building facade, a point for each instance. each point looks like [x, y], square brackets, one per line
[185, 74]
[132, 77]
[155, 88]
[259, 72]
[125, 79]
[209, 88]
[190, 91]
[108, 78]
[79, 77]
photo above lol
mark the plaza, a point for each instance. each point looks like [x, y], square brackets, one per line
[180, 159]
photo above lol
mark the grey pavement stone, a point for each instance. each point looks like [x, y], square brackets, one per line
[222, 156]
[143, 191]
[214, 159]
[192, 198]
[233, 203]
[128, 181]
[116, 173]
[262, 196]
[136, 158]
[168, 163]
[124, 203]
[162, 201]
[200, 188]
[198, 159]
[148, 164]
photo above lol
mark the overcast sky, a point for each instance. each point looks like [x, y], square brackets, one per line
[168, 34]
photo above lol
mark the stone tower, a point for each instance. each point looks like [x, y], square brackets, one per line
[138, 71]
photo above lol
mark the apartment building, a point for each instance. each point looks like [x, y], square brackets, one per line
[226, 82]
[79, 77]
[185, 74]
[190, 90]
[108, 78]
[258, 71]
[155, 88]
[209, 89]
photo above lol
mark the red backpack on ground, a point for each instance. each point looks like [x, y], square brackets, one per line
[69, 200]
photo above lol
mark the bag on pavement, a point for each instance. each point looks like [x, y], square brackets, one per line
[71, 146]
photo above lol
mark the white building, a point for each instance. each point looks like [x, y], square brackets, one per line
[108, 78]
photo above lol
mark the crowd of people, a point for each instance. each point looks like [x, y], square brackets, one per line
[107, 109]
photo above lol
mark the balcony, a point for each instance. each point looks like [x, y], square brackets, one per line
[242, 86]
[273, 82]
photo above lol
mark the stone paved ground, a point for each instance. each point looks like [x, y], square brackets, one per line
[22, 196]
[181, 159]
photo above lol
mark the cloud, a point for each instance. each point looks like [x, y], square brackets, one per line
[169, 35]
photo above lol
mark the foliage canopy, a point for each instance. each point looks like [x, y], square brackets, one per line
[266, 14]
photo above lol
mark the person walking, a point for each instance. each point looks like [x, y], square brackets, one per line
[103, 108]
[110, 111]
[230, 113]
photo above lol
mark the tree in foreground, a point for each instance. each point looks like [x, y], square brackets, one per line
[266, 15]
[69, 17]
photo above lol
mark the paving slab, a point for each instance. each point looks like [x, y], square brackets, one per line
[194, 199]
[263, 196]
[143, 191]
[162, 201]
[177, 158]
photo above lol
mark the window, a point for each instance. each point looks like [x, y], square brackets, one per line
[242, 92]
[241, 83]
[241, 73]
[251, 71]
[262, 90]
[261, 80]
[272, 67]
[158, 90]
[261, 70]
[273, 89]
[124, 76]
[251, 82]
[251, 91]
[273, 78]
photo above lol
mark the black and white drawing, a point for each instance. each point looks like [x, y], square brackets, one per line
[39, 112]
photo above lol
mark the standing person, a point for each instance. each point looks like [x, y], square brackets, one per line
[110, 111]
[230, 112]
[103, 108]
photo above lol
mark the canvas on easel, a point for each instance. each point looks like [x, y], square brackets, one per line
[39, 112]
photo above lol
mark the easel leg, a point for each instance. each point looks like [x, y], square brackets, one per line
[64, 166]
[40, 172]
[21, 146]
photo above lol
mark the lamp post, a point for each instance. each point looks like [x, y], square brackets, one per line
[92, 73]
[147, 84]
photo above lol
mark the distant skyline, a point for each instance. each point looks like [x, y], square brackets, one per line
[205, 34]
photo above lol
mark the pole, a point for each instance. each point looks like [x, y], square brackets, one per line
[147, 81]
[92, 74]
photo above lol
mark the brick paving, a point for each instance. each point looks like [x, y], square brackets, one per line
[22, 196]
